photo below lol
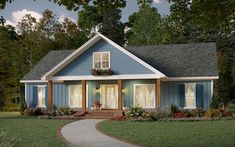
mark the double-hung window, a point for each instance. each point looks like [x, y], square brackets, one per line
[190, 95]
[144, 95]
[101, 60]
[41, 96]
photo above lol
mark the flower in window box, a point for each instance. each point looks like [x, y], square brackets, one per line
[97, 72]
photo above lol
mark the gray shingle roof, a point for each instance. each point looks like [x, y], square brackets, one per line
[46, 64]
[175, 60]
[180, 60]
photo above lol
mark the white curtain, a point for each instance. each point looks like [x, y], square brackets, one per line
[109, 96]
[145, 95]
[41, 96]
[75, 99]
[190, 95]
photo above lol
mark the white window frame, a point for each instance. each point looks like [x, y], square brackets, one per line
[191, 107]
[101, 59]
[134, 95]
[69, 95]
[41, 86]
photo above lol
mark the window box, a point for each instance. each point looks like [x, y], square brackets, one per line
[104, 72]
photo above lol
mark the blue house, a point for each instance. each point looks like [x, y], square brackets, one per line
[146, 76]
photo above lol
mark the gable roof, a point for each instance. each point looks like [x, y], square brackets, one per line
[86, 46]
[175, 60]
[180, 60]
[46, 64]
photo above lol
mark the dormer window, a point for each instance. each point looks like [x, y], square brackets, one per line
[101, 60]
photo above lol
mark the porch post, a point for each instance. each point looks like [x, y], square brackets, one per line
[158, 92]
[50, 96]
[119, 94]
[84, 95]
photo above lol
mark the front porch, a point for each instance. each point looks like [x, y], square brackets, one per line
[112, 94]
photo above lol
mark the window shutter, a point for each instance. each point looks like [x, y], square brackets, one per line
[199, 95]
[35, 96]
[182, 95]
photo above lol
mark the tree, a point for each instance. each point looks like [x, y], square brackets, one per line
[146, 26]
[203, 21]
[103, 16]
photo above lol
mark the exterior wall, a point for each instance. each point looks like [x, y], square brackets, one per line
[120, 63]
[170, 93]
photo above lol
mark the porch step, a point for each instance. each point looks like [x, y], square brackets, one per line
[100, 114]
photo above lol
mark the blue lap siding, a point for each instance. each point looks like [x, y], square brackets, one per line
[120, 63]
[170, 93]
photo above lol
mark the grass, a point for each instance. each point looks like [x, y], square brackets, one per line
[204, 133]
[31, 131]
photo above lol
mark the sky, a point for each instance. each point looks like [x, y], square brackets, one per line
[18, 8]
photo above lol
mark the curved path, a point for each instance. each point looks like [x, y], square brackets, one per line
[83, 133]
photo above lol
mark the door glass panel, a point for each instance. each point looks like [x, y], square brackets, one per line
[109, 96]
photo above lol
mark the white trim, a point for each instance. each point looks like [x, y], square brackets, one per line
[44, 86]
[87, 45]
[33, 81]
[25, 92]
[212, 88]
[111, 77]
[69, 96]
[116, 86]
[189, 78]
[93, 62]
[44, 106]
[195, 98]
[154, 85]
[190, 107]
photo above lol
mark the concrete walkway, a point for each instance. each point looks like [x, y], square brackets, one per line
[83, 133]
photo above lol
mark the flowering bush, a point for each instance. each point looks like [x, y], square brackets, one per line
[64, 111]
[135, 112]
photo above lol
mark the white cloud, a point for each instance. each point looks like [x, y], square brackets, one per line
[16, 16]
[157, 1]
[62, 17]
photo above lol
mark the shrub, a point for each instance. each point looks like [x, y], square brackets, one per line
[150, 116]
[23, 106]
[37, 111]
[225, 113]
[163, 113]
[28, 112]
[231, 107]
[135, 112]
[178, 115]
[64, 111]
[197, 113]
[172, 109]
[213, 113]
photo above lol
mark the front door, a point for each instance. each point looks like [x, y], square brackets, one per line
[109, 96]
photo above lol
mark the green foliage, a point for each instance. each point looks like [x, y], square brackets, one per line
[146, 27]
[28, 112]
[213, 113]
[103, 16]
[23, 106]
[6, 141]
[135, 112]
[64, 111]
[231, 107]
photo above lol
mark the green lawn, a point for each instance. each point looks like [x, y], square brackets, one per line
[30, 130]
[204, 133]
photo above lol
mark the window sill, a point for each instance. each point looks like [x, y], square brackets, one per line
[41, 106]
[190, 107]
[74, 107]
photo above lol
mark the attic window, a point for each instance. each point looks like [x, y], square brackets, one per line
[101, 60]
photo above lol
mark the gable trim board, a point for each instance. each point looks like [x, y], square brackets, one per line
[189, 78]
[86, 46]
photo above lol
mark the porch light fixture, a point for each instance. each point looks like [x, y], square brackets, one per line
[123, 90]
[97, 90]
